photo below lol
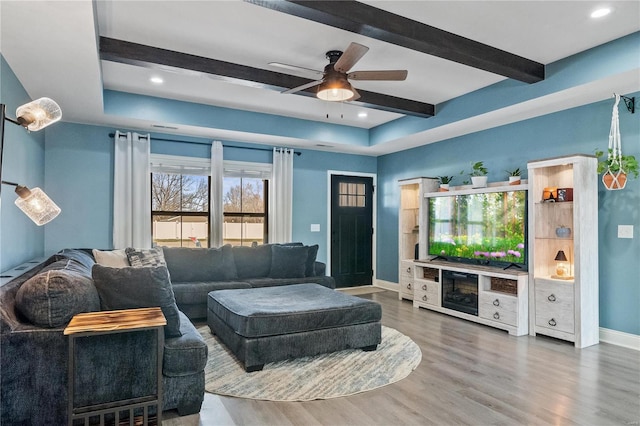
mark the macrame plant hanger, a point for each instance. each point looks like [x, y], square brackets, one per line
[614, 154]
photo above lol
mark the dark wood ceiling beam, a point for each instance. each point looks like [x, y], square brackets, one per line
[152, 57]
[379, 24]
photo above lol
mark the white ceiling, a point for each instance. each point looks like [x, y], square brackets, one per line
[67, 67]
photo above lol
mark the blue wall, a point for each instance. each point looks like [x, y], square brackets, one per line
[23, 163]
[579, 130]
[79, 172]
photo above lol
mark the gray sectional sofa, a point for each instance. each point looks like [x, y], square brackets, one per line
[239, 267]
[34, 351]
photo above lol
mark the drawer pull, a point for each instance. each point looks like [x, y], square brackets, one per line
[496, 302]
[551, 298]
[409, 286]
[424, 287]
[552, 322]
[409, 270]
[496, 315]
[425, 298]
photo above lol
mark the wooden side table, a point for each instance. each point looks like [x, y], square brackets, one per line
[110, 322]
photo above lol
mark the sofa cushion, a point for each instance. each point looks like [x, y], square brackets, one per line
[145, 257]
[272, 282]
[200, 264]
[288, 261]
[252, 262]
[196, 292]
[113, 258]
[138, 287]
[310, 265]
[81, 256]
[61, 290]
[184, 355]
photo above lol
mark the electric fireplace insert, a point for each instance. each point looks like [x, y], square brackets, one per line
[460, 292]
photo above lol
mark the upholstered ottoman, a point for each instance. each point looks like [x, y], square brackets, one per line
[261, 325]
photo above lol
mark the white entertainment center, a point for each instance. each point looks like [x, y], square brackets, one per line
[557, 297]
[502, 294]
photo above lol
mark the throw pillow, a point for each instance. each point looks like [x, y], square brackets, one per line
[252, 262]
[201, 264]
[145, 257]
[81, 256]
[310, 266]
[138, 287]
[61, 290]
[113, 258]
[288, 261]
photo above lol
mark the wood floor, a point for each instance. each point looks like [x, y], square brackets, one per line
[469, 375]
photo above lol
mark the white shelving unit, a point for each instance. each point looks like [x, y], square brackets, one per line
[563, 295]
[411, 229]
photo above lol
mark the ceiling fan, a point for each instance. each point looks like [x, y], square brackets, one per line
[334, 84]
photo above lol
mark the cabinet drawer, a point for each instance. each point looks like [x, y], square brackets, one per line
[406, 269]
[554, 307]
[498, 307]
[426, 292]
[406, 285]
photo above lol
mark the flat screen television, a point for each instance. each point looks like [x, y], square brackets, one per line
[487, 229]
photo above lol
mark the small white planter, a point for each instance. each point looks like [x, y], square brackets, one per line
[479, 181]
[514, 180]
[444, 187]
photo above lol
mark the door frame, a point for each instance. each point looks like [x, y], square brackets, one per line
[374, 215]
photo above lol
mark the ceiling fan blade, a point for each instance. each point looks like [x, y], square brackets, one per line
[304, 86]
[350, 56]
[394, 75]
[296, 68]
[356, 95]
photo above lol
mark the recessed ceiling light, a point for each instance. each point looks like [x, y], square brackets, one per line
[599, 13]
[156, 80]
[362, 114]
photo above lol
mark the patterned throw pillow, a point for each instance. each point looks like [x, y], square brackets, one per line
[145, 257]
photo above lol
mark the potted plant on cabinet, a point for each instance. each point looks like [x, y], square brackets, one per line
[478, 175]
[616, 170]
[444, 182]
[514, 176]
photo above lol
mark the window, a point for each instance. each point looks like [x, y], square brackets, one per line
[351, 194]
[180, 210]
[245, 203]
[180, 191]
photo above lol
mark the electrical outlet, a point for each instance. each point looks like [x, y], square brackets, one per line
[625, 231]
[315, 227]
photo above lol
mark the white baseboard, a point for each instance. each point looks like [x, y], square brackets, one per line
[387, 285]
[619, 338]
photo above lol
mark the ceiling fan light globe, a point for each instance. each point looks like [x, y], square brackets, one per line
[335, 91]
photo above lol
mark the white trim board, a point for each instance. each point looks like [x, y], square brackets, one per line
[619, 338]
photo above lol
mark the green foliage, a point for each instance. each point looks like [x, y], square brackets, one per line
[478, 169]
[629, 163]
[445, 179]
[515, 172]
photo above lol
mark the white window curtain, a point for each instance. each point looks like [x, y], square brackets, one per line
[281, 196]
[131, 191]
[217, 169]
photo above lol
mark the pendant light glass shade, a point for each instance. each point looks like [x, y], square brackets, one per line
[36, 204]
[38, 114]
[335, 90]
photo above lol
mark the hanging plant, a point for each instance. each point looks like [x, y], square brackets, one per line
[616, 167]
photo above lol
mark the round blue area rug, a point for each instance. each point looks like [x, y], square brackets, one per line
[323, 376]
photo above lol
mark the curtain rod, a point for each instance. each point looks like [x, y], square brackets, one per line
[207, 143]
